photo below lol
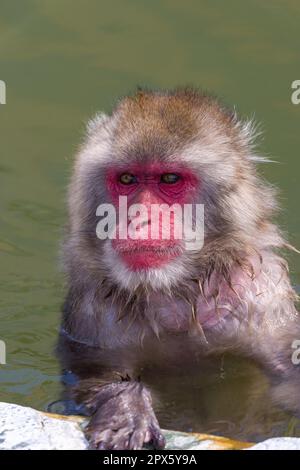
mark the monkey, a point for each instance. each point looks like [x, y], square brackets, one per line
[140, 304]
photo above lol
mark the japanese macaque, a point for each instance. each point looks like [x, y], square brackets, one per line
[136, 304]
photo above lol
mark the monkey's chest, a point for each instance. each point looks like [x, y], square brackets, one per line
[180, 316]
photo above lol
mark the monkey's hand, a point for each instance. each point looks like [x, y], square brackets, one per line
[123, 417]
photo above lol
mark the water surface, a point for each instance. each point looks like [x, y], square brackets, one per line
[62, 60]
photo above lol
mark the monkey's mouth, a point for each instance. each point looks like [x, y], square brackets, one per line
[141, 257]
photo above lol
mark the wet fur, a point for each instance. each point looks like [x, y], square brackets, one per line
[112, 308]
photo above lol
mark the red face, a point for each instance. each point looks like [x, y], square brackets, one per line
[150, 185]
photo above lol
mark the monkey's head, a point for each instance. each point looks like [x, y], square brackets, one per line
[160, 149]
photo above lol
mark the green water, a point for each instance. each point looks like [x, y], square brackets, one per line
[64, 59]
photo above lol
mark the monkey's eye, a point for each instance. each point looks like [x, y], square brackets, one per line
[169, 178]
[127, 178]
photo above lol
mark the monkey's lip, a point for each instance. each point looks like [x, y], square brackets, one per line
[155, 250]
[146, 257]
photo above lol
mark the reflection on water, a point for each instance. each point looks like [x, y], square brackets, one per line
[58, 72]
[230, 398]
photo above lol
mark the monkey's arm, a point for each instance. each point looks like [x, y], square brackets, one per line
[122, 413]
[257, 317]
[276, 354]
[120, 405]
[268, 327]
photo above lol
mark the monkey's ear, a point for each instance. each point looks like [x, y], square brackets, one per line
[96, 123]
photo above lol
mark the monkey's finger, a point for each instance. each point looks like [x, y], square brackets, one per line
[100, 439]
[120, 439]
[103, 446]
[122, 443]
[137, 439]
[157, 439]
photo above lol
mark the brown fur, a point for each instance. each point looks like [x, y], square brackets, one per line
[121, 320]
